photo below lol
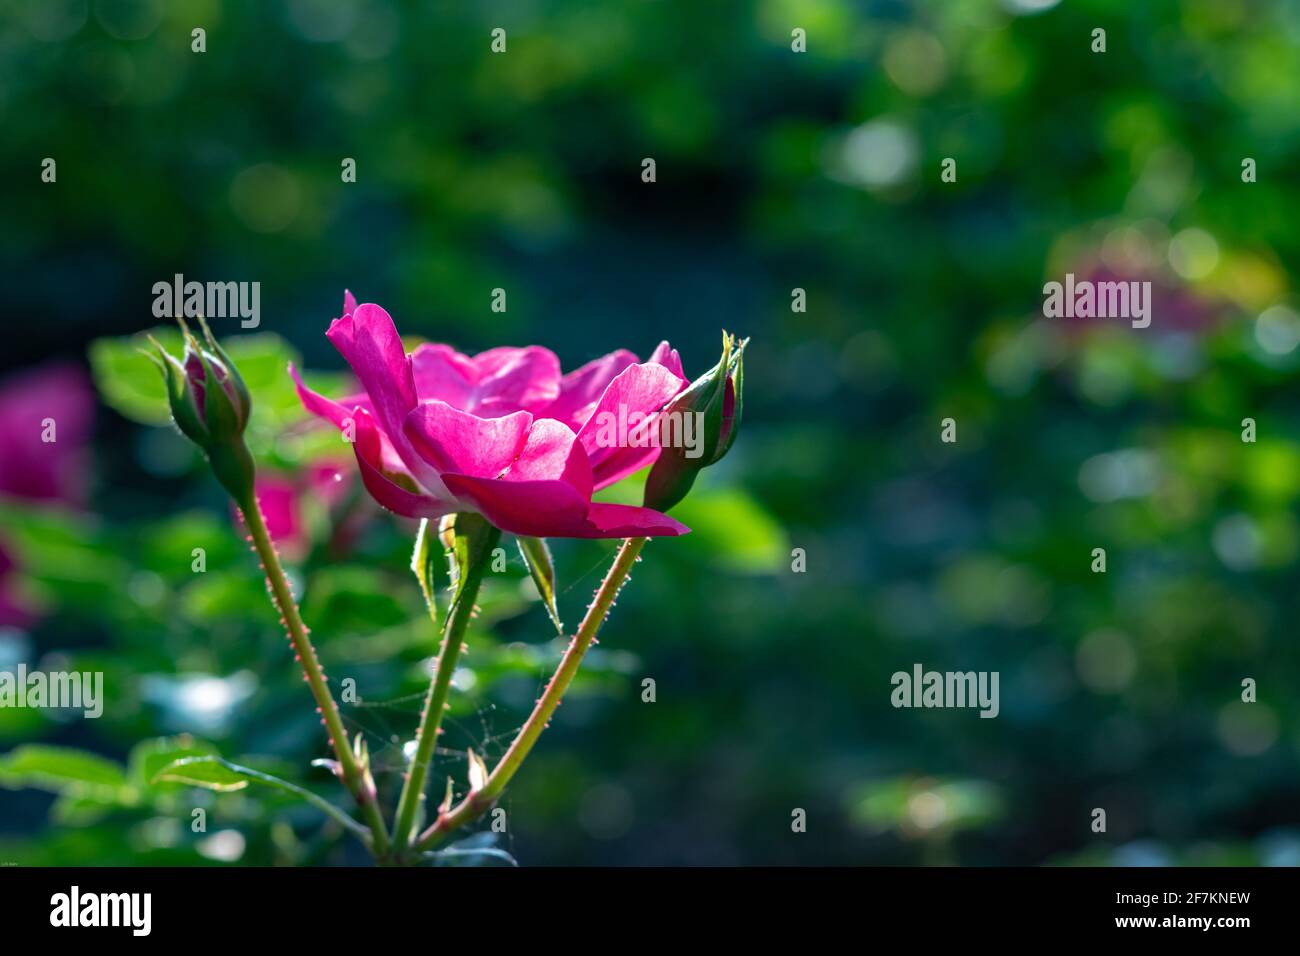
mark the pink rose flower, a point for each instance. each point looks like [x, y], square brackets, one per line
[502, 433]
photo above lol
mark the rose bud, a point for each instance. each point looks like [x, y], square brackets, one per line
[210, 405]
[716, 398]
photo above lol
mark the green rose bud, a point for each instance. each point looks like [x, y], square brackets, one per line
[717, 396]
[210, 404]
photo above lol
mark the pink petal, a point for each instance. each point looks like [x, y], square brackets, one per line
[638, 389]
[552, 453]
[630, 521]
[343, 412]
[581, 388]
[454, 441]
[667, 357]
[496, 382]
[396, 491]
[546, 492]
[368, 340]
[625, 461]
[349, 302]
[514, 378]
[333, 412]
[540, 509]
[443, 374]
[554, 509]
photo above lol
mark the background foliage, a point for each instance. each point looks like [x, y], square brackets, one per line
[776, 170]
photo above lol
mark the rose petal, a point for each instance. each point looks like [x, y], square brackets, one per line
[546, 492]
[667, 356]
[454, 441]
[443, 374]
[582, 388]
[554, 509]
[637, 390]
[552, 453]
[390, 488]
[342, 415]
[630, 521]
[333, 412]
[541, 509]
[368, 340]
[513, 378]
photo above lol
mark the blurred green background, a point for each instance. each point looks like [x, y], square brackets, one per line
[776, 170]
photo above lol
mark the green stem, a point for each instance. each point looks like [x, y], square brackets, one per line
[479, 801]
[435, 701]
[357, 781]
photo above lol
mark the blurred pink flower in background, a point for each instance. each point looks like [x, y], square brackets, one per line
[31, 467]
[502, 433]
[278, 497]
[1174, 307]
[282, 497]
[54, 401]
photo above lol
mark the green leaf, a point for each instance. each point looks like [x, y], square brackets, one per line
[424, 565]
[469, 540]
[354, 599]
[70, 810]
[127, 378]
[222, 776]
[206, 771]
[538, 558]
[64, 770]
[149, 757]
[167, 546]
[263, 361]
[129, 382]
[733, 530]
[66, 553]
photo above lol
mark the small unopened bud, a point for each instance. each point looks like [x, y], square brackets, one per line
[211, 405]
[718, 396]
